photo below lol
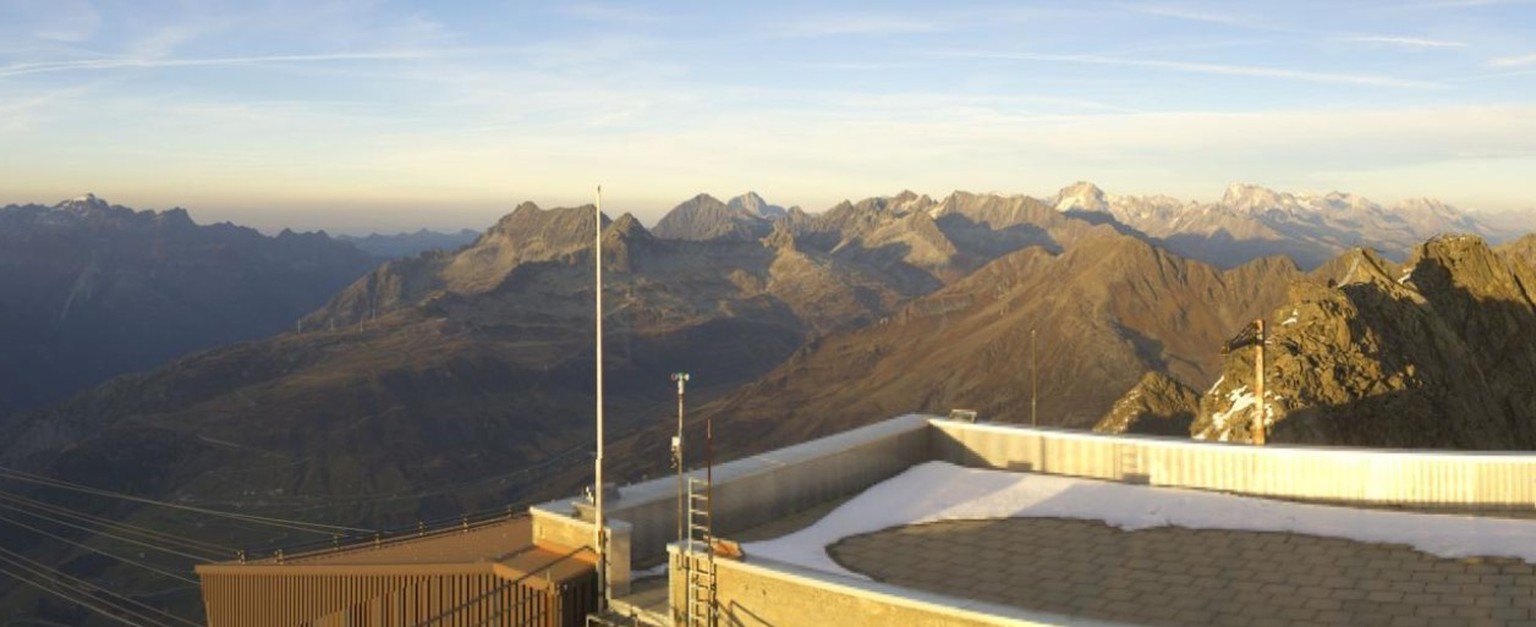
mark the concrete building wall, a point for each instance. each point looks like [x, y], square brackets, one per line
[755, 490]
[274, 597]
[1329, 474]
[761, 593]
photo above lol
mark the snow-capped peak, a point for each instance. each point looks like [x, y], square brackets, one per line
[1250, 198]
[754, 204]
[84, 202]
[1082, 196]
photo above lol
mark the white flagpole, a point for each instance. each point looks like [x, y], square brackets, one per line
[598, 536]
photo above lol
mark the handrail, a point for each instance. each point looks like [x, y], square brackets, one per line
[389, 537]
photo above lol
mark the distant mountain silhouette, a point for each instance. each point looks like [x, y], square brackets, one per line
[407, 244]
[90, 290]
[1252, 221]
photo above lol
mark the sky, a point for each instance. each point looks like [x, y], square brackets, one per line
[371, 115]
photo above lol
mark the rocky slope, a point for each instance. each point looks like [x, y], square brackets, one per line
[471, 359]
[1436, 353]
[89, 290]
[1157, 405]
[1106, 310]
[929, 243]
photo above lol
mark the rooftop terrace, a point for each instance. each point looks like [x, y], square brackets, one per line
[1053, 558]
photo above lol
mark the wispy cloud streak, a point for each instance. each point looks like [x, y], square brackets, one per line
[1196, 15]
[1406, 42]
[835, 25]
[1368, 80]
[115, 63]
[1520, 61]
[609, 14]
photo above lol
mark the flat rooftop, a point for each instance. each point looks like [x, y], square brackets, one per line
[920, 519]
[1118, 553]
[1179, 576]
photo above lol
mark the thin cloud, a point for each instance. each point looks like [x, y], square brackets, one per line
[1369, 80]
[1205, 16]
[1462, 4]
[1405, 42]
[115, 63]
[1520, 61]
[609, 13]
[836, 25]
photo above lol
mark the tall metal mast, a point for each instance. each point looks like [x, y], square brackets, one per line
[677, 459]
[598, 536]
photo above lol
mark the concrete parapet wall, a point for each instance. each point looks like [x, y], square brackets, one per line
[561, 532]
[756, 592]
[1330, 474]
[763, 488]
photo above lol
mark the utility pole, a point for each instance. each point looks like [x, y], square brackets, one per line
[599, 539]
[1034, 379]
[677, 459]
[1258, 387]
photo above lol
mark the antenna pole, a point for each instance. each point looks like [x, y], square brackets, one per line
[677, 458]
[599, 537]
[1258, 388]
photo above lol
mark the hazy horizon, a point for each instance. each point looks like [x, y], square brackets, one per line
[356, 116]
[403, 220]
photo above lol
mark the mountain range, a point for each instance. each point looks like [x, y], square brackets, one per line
[398, 245]
[461, 379]
[90, 290]
[1251, 221]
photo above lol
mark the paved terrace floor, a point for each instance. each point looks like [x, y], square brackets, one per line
[1179, 576]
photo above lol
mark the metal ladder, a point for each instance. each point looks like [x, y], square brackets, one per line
[699, 557]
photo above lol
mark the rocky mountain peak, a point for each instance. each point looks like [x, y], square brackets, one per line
[1157, 405]
[1465, 263]
[706, 218]
[84, 203]
[754, 204]
[1081, 196]
[626, 227]
[1250, 198]
[179, 218]
[622, 240]
[558, 226]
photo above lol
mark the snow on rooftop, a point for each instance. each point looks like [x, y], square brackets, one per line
[939, 491]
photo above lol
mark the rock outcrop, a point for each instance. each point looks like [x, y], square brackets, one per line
[1157, 405]
[1438, 353]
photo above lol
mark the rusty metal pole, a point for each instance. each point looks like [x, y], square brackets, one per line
[1258, 388]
